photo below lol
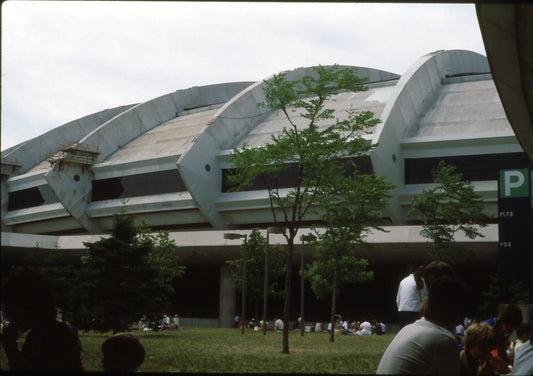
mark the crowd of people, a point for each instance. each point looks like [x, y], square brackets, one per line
[164, 323]
[430, 302]
[357, 328]
[429, 342]
[345, 327]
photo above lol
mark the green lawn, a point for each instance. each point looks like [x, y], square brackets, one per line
[228, 351]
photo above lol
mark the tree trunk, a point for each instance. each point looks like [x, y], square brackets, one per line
[286, 306]
[334, 298]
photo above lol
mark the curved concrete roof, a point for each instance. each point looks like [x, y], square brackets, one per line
[443, 105]
[201, 168]
[415, 93]
[33, 152]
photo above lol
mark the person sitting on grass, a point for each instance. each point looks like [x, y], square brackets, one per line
[427, 346]
[476, 357]
[278, 325]
[123, 352]
[365, 329]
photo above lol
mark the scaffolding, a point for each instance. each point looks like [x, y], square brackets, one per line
[75, 153]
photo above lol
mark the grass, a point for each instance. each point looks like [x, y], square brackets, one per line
[208, 350]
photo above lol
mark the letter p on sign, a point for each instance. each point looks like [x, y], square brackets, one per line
[514, 183]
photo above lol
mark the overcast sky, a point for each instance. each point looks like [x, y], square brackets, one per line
[64, 60]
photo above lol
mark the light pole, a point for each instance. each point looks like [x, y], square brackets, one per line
[273, 230]
[233, 236]
[303, 238]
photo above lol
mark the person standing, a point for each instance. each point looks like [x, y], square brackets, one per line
[428, 346]
[411, 293]
[166, 322]
[236, 320]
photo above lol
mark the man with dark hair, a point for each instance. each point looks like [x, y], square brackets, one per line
[51, 344]
[428, 346]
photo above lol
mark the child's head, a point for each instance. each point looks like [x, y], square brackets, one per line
[479, 340]
[122, 352]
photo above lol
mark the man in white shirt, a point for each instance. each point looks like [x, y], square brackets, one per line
[426, 346]
[411, 293]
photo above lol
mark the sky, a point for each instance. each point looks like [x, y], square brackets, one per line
[63, 60]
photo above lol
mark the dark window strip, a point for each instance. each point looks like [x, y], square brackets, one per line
[473, 167]
[287, 178]
[151, 183]
[31, 197]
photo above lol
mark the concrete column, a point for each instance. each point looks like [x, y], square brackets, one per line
[72, 185]
[227, 298]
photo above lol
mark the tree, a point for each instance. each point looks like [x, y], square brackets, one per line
[311, 150]
[127, 276]
[332, 270]
[499, 291]
[352, 205]
[255, 268]
[161, 255]
[451, 206]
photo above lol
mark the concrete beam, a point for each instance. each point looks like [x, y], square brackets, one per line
[414, 93]
[397, 244]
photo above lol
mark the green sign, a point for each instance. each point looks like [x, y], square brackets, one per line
[514, 183]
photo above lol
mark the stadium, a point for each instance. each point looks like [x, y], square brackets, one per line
[166, 160]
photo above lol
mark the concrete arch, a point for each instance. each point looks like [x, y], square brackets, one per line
[200, 166]
[30, 153]
[72, 184]
[130, 124]
[415, 92]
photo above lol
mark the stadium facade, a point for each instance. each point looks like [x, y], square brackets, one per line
[167, 158]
